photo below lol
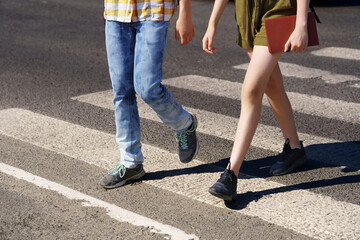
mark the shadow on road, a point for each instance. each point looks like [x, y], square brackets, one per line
[321, 156]
[330, 155]
[243, 199]
[341, 154]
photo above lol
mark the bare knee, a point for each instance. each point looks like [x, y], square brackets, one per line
[252, 94]
[271, 88]
[274, 90]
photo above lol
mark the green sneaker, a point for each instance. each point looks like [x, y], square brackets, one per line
[121, 175]
[188, 142]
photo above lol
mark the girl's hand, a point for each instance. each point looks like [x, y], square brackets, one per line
[298, 40]
[208, 39]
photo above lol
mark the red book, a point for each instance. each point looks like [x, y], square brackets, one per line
[278, 31]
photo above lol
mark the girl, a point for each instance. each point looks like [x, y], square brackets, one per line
[263, 76]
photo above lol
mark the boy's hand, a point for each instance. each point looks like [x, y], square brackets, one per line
[184, 30]
[208, 39]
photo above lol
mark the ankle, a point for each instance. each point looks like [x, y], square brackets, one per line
[234, 168]
[293, 143]
[235, 171]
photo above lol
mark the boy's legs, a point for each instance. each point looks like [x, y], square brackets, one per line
[120, 42]
[149, 54]
[135, 55]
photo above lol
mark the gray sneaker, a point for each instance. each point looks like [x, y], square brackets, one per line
[188, 142]
[121, 175]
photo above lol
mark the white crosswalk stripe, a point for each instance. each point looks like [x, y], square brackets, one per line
[266, 137]
[322, 218]
[317, 106]
[298, 71]
[337, 52]
[342, 53]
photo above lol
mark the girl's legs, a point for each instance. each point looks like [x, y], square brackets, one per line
[281, 107]
[261, 67]
[262, 64]
[263, 76]
[293, 155]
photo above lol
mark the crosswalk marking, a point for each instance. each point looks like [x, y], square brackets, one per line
[314, 215]
[115, 212]
[266, 137]
[317, 106]
[337, 52]
[298, 71]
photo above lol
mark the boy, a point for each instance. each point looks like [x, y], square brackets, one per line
[136, 35]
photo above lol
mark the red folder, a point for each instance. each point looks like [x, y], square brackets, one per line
[278, 31]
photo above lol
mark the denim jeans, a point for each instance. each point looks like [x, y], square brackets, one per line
[135, 54]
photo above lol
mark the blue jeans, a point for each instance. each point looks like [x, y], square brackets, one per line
[135, 54]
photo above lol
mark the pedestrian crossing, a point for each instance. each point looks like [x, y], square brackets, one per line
[305, 212]
[324, 217]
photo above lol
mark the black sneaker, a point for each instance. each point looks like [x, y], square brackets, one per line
[121, 175]
[225, 187]
[188, 142]
[290, 159]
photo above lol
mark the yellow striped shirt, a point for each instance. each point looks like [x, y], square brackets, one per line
[139, 10]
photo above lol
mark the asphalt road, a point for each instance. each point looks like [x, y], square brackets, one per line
[56, 123]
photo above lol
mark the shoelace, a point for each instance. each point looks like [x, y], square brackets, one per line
[225, 177]
[120, 168]
[182, 137]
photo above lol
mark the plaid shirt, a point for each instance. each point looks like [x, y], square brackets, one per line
[139, 10]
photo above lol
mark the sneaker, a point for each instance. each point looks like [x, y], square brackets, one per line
[188, 142]
[225, 187]
[290, 159]
[121, 175]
